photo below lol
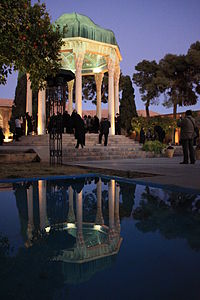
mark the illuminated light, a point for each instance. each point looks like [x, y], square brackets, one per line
[176, 137]
[97, 227]
[97, 70]
[71, 225]
[7, 139]
[47, 229]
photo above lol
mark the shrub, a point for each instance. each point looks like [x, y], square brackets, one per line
[153, 146]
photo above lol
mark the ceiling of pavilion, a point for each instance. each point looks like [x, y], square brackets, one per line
[92, 63]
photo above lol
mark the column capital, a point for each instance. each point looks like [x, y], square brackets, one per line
[111, 66]
[79, 57]
[99, 78]
[70, 84]
[117, 74]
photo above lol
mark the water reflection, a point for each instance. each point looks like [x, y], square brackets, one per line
[71, 231]
[173, 214]
[79, 222]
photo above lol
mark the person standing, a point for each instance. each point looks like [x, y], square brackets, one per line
[2, 136]
[104, 130]
[187, 126]
[118, 124]
[29, 123]
[18, 132]
[79, 129]
[142, 136]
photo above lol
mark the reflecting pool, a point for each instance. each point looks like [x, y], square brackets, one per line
[98, 238]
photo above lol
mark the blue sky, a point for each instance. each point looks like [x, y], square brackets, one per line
[144, 29]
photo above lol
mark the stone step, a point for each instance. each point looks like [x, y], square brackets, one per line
[69, 140]
[108, 157]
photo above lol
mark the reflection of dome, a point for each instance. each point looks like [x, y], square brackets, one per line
[82, 252]
[96, 242]
[76, 25]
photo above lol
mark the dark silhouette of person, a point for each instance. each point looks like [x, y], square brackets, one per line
[67, 122]
[18, 131]
[104, 130]
[187, 126]
[89, 124]
[118, 124]
[85, 122]
[149, 135]
[95, 124]
[2, 136]
[142, 136]
[79, 129]
[29, 123]
[159, 133]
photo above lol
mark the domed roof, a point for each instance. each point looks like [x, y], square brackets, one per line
[76, 25]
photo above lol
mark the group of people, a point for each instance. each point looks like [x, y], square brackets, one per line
[188, 136]
[20, 125]
[157, 134]
[78, 126]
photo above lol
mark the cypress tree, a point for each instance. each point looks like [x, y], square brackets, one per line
[127, 103]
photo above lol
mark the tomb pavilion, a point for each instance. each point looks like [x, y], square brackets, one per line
[88, 49]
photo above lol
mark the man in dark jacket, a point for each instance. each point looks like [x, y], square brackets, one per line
[79, 129]
[187, 126]
[104, 130]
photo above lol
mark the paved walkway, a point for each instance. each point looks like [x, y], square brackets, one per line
[168, 171]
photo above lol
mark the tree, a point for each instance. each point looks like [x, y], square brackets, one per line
[19, 105]
[174, 80]
[127, 103]
[145, 79]
[89, 89]
[193, 59]
[28, 41]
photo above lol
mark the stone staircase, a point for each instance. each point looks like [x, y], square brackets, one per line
[119, 147]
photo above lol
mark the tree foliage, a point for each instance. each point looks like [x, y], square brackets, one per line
[177, 77]
[89, 89]
[193, 59]
[19, 105]
[28, 41]
[175, 81]
[166, 123]
[127, 103]
[145, 79]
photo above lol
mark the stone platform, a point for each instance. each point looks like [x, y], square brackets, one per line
[119, 147]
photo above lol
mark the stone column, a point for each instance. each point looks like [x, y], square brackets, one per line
[71, 215]
[111, 110]
[28, 96]
[98, 80]
[116, 85]
[42, 203]
[70, 96]
[111, 199]
[79, 57]
[30, 214]
[79, 220]
[99, 215]
[117, 219]
[42, 112]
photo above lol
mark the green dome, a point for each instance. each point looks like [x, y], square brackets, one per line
[76, 25]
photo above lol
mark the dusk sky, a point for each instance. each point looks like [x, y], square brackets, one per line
[144, 29]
